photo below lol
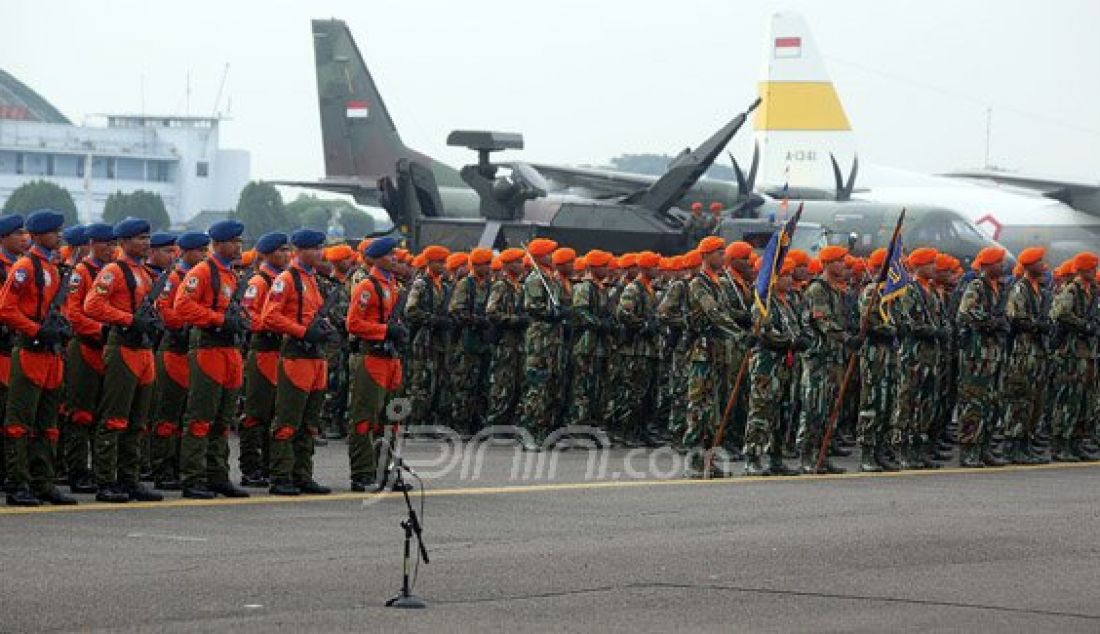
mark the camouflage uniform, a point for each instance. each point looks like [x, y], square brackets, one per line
[469, 361]
[709, 319]
[739, 301]
[635, 314]
[1023, 394]
[770, 377]
[424, 312]
[913, 315]
[504, 309]
[542, 347]
[609, 397]
[878, 367]
[592, 326]
[1073, 312]
[822, 366]
[980, 312]
[334, 411]
[672, 313]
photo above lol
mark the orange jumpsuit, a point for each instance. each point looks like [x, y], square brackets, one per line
[173, 379]
[262, 369]
[83, 369]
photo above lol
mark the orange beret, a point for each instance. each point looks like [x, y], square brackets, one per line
[579, 264]
[614, 264]
[665, 264]
[788, 266]
[420, 261]
[878, 258]
[815, 267]
[248, 257]
[800, 257]
[944, 262]
[457, 260]
[435, 253]
[829, 254]
[628, 260]
[716, 206]
[1085, 261]
[497, 265]
[922, 256]
[697, 206]
[710, 244]
[676, 263]
[738, 250]
[481, 255]
[692, 259]
[989, 255]
[339, 253]
[856, 264]
[511, 255]
[542, 246]
[563, 255]
[1031, 255]
[596, 257]
[649, 260]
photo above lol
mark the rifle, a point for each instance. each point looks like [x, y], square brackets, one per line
[53, 314]
[542, 278]
[864, 326]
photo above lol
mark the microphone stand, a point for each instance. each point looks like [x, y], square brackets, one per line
[411, 525]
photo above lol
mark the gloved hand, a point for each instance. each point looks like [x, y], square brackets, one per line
[50, 333]
[104, 332]
[146, 323]
[234, 324]
[397, 333]
[318, 331]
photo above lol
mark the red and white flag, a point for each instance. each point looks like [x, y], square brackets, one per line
[786, 47]
[358, 110]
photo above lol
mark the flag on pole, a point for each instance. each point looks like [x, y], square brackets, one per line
[772, 261]
[894, 278]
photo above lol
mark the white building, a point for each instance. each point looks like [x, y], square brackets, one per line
[177, 157]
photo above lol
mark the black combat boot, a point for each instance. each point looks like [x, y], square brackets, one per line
[807, 461]
[21, 496]
[111, 493]
[198, 491]
[969, 458]
[1034, 456]
[777, 467]
[883, 457]
[282, 486]
[362, 484]
[54, 496]
[867, 461]
[906, 456]
[753, 466]
[988, 457]
[255, 480]
[82, 482]
[312, 487]
[1078, 448]
[228, 489]
[927, 455]
[141, 493]
[1061, 451]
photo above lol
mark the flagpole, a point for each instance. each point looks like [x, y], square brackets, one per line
[757, 326]
[864, 325]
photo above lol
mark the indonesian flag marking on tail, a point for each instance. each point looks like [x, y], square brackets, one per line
[786, 47]
[358, 110]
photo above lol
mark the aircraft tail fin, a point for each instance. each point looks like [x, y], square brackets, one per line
[801, 121]
[359, 136]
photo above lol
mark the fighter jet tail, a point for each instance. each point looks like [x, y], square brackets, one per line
[359, 136]
[801, 121]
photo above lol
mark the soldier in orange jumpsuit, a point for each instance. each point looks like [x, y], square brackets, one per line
[261, 368]
[292, 309]
[374, 365]
[216, 365]
[173, 368]
[14, 241]
[162, 258]
[115, 300]
[84, 360]
[34, 393]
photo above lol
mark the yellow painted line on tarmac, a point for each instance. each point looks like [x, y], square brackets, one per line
[524, 488]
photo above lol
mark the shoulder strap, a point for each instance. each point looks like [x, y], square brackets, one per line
[266, 278]
[40, 284]
[215, 283]
[131, 285]
[299, 288]
[381, 297]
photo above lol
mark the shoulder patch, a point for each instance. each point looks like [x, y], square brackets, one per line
[192, 284]
[278, 285]
[364, 299]
[106, 277]
[74, 281]
[251, 292]
[20, 276]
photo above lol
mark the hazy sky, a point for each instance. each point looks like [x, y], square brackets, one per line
[583, 80]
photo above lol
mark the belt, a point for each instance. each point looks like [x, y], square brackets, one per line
[34, 345]
[131, 338]
[266, 341]
[384, 349]
[210, 338]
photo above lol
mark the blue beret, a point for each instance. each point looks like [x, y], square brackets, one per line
[192, 240]
[307, 238]
[130, 227]
[271, 242]
[162, 239]
[14, 222]
[380, 247]
[99, 232]
[44, 221]
[225, 230]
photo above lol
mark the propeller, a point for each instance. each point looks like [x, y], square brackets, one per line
[844, 189]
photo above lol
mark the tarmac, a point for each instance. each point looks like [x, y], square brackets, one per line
[519, 547]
